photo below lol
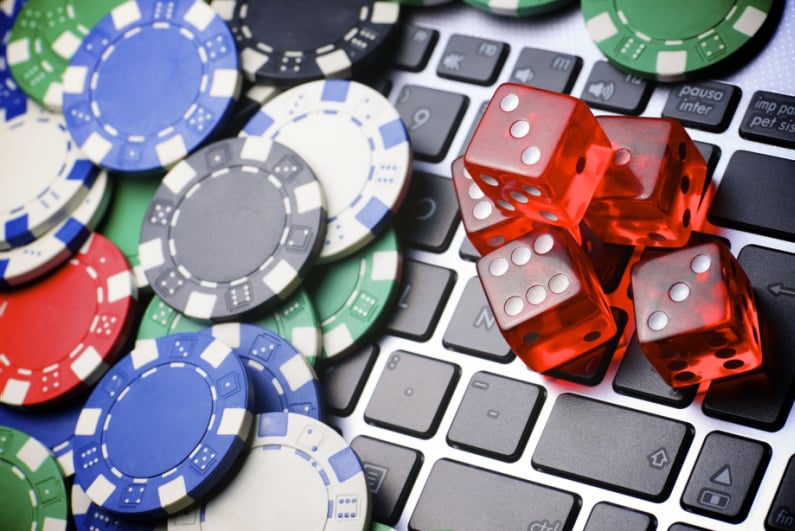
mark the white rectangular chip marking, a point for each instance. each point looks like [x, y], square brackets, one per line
[33, 454]
[66, 44]
[669, 63]
[100, 490]
[385, 13]
[235, 421]
[200, 15]
[96, 146]
[200, 305]
[337, 339]
[216, 353]
[179, 177]
[145, 352]
[504, 5]
[306, 339]
[601, 27]
[120, 286]
[127, 13]
[385, 265]
[225, 84]
[750, 21]
[67, 462]
[281, 278]
[295, 372]
[150, 254]
[251, 61]
[18, 52]
[80, 504]
[309, 197]
[171, 151]
[14, 392]
[335, 64]
[53, 98]
[172, 492]
[224, 8]
[256, 148]
[88, 421]
[86, 364]
[53, 524]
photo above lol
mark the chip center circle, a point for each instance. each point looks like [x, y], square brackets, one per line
[229, 225]
[164, 416]
[673, 19]
[136, 92]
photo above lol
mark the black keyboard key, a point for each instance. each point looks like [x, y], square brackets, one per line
[473, 328]
[781, 516]
[613, 90]
[465, 498]
[412, 394]
[612, 447]
[606, 516]
[685, 527]
[756, 194]
[431, 118]
[763, 399]
[342, 382]
[770, 118]
[415, 48]
[429, 215]
[707, 105]
[390, 471]
[467, 251]
[424, 293]
[472, 59]
[495, 416]
[711, 154]
[481, 111]
[637, 377]
[725, 477]
[546, 69]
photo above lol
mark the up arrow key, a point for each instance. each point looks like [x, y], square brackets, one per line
[723, 476]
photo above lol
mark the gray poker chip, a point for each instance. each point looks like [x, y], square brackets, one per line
[233, 229]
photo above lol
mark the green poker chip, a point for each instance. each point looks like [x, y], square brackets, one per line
[32, 489]
[351, 295]
[674, 39]
[517, 8]
[295, 320]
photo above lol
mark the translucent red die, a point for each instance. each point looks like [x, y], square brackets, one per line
[651, 190]
[546, 298]
[539, 153]
[696, 315]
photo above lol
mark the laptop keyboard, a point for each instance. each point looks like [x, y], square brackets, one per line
[455, 432]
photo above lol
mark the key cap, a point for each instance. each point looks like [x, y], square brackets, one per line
[431, 118]
[473, 329]
[707, 105]
[546, 69]
[423, 295]
[415, 48]
[495, 416]
[612, 447]
[725, 477]
[481, 110]
[637, 377]
[467, 251]
[472, 59]
[429, 215]
[770, 118]
[756, 194]
[465, 498]
[342, 382]
[763, 399]
[782, 511]
[610, 89]
[390, 471]
[412, 394]
[685, 527]
[606, 516]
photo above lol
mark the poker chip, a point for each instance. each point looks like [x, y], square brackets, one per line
[88, 516]
[517, 8]
[38, 192]
[355, 141]
[34, 260]
[109, 105]
[295, 320]
[279, 42]
[131, 197]
[352, 295]
[68, 326]
[298, 474]
[12, 99]
[253, 203]
[280, 376]
[652, 39]
[163, 426]
[31, 483]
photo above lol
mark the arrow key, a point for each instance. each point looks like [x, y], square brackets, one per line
[726, 476]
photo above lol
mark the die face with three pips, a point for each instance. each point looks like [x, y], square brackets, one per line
[540, 164]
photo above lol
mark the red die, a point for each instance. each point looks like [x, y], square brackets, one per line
[538, 152]
[651, 191]
[546, 298]
[696, 315]
[486, 225]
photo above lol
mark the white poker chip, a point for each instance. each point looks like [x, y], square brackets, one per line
[298, 474]
[355, 142]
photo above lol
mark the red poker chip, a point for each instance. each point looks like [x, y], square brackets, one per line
[63, 331]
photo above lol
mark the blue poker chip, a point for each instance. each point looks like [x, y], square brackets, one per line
[281, 376]
[88, 516]
[163, 426]
[112, 105]
[12, 99]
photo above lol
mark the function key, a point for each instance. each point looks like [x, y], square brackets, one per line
[546, 69]
[612, 90]
[770, 118]
[472, 59]
[782, 512]
[707, 105]
[415, 48]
